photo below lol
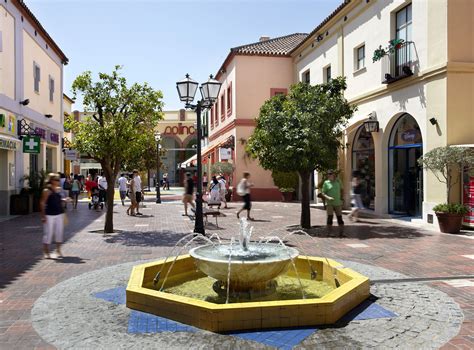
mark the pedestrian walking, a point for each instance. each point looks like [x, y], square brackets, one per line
[90, 184]
[131, 195]
[102, 183]
[52, 214]
[215, 192]
[138, 190]
[166, 182]
[188, 194]
[222, 189]
[122, 181]
[243, 190]
[332, 191]
[356, 198]
[75, 191]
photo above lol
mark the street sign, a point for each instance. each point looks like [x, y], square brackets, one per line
[31, 144]
[71, 154]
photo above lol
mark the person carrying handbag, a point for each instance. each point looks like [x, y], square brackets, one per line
[52, 215]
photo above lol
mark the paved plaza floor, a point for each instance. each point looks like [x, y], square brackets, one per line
[422, 281]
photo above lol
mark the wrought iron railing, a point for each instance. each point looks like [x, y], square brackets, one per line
[399, 64]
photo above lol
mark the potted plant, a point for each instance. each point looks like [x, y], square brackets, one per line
[286, 183]
[35, 187]
[446, 164]
[393, 45]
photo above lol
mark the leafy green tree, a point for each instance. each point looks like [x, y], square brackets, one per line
[301, 132]
[445, 163]
[121, 128]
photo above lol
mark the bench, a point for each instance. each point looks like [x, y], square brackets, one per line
[211, 212]
[206, 212]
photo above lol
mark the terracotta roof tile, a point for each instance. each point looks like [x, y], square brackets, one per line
[280, 46]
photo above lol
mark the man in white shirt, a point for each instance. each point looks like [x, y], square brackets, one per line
[122, 181]
[138, 190]
[102, 182]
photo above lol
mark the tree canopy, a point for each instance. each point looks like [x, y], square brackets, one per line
[301, 132]
[121, 127]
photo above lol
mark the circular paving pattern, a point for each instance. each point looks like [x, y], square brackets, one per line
[69, 316]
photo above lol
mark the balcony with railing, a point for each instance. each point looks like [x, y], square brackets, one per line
[399, 62]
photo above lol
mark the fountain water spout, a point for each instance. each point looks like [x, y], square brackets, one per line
[245, 233]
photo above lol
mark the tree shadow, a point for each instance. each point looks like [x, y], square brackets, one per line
[365, 231]
[163, 238]
[71, 260]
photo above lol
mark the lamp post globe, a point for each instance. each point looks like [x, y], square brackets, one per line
[209, 92]
[187, 89]
[158, 165]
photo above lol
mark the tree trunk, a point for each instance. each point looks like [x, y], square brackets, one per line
[109, 215]
[305, 208]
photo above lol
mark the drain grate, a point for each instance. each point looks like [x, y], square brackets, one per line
[421, 279]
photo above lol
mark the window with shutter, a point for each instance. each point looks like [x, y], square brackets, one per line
[51, 89]
[37, 76]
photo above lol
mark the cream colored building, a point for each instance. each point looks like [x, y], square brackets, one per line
[31, 68]
[421, 94]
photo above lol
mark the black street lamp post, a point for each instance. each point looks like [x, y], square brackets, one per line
[158, 165]
[209, 92]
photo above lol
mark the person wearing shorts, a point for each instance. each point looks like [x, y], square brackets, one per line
[122, 188]
[52, 215]
[243, 189]
[138, 190]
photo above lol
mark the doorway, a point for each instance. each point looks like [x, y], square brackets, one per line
[363, 162]
[406, 176]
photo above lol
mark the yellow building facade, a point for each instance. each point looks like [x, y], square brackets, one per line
[420, 94]
[31, 98]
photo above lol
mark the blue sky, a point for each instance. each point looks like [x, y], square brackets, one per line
[160, 41]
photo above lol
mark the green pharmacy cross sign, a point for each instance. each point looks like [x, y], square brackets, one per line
[31, 144]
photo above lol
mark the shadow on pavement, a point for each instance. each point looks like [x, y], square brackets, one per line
[365, 231]
[145, 239]
[21, 241]
[71, 260]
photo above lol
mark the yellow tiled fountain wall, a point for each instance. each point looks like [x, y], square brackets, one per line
[354, 288]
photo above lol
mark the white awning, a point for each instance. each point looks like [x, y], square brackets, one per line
[187, 162]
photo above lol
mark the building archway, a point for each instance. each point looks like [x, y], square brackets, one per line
[363, 161]
[405, 175]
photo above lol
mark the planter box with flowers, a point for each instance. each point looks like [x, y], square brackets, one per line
[445, 163]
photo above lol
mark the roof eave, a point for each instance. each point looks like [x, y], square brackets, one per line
[36, 23]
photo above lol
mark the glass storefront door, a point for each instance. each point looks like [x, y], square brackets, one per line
[405, 175]
[407, 178]
[363, 161]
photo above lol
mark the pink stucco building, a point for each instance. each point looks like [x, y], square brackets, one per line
[250, 75]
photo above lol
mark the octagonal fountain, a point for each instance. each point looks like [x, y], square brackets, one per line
[245, 285]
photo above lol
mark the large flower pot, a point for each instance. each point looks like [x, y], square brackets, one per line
[287, 196]
[449, 223]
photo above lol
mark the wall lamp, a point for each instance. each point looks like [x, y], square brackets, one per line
[25, 102]
[433, 121]
[49, 116]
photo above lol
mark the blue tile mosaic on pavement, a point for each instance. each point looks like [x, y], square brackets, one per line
[282, 338]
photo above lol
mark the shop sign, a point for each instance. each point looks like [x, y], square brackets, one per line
[8, 144]
[31, 144]
[225, 153]
[40, 132]
[180, 129]
[2, 120]
[8, 123]
[53, 137]
[71, 154]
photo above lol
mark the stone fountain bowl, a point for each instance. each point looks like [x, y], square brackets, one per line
[249, 270]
